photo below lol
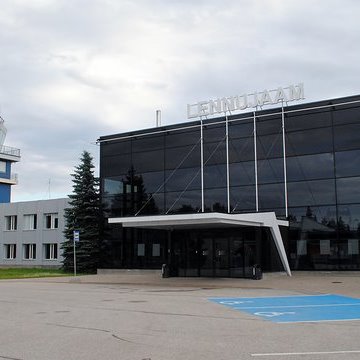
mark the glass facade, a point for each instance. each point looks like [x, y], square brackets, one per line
[158, 172]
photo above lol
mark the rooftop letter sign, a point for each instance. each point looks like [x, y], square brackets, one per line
[245, 101]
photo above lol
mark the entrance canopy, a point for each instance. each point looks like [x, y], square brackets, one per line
[211, 220]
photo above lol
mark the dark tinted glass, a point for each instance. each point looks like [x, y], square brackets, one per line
[115, 147]
[309, 142]
[309, 193]
[347, 137]
[242, 198]
[215, 153]
[270, 171]
[349, 217]
[310, 167]
[348, 190]
[147, 143]
[115, 165]
[269, 146]
[112, 186]
[182, 157]
[214, 133]
[242, 173]
[239, 129]
[148, 161]
[183, 202]
[216, 200]
[347, 163]
[183, 137]
[271, 196]
[214, 176]
[346, 116]
[307, 120]
[153, 181]
[321, 214]
[151, 204]
[241, 149]
[268, 125]
[182, 179]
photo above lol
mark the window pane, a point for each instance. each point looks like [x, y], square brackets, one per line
[187, 202]
[347, 137]
[310, 167]
[348, 190]
[271, 196]
[147, 161]
[183, 179]
[270, 146]
[147, 143]
[270, 171]
[242, 173]
[309, 142]
[242, 198]
[215, 153]
[347, 163]
[115, 165]
[309, 193]
[268, 126]
[115, 147]
[241, 149]
[346, 116]
[214, 133]
[349, 217]
[307, 120]
[239, 129]
[216, 200]
[153, 181]
[183, 157]
[113, 186]
[183, 138]
[214, 176]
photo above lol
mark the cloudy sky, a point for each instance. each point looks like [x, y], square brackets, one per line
[71, 71]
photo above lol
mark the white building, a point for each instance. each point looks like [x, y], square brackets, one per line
[31, 233]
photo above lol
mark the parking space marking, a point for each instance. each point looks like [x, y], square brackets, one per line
[290, 309]
[309, 353]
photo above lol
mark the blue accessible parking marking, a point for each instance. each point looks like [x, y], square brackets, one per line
[288, 309]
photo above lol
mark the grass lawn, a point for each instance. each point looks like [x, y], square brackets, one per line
[21, 273]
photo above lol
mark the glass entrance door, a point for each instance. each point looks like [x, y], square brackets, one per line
[206, 257]
[221, 257]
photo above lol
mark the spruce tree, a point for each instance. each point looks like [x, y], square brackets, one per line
[83, 215]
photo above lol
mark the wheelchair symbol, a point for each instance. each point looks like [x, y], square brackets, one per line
[234, 302]
[273, 313]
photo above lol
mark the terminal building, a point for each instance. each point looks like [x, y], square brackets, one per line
[31, 233]
[213, 197]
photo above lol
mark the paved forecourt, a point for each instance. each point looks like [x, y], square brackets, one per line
[292, 309]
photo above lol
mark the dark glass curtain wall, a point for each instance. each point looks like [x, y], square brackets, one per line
[160, 173]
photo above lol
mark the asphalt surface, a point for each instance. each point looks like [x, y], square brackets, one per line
[137, 317]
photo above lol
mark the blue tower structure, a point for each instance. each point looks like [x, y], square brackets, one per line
[8, 155]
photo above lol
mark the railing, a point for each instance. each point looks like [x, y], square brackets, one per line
[7, 150]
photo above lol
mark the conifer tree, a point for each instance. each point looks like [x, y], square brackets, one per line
[83, 215]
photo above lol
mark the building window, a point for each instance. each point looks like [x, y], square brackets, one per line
[11, 223]
[3, 166]
[29, 251]
[10, 251]
[51, 251]
[51, 221]
[30, 222]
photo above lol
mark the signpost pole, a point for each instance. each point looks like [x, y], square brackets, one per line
[76, 239]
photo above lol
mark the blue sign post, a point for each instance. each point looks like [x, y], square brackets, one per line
[76, 235]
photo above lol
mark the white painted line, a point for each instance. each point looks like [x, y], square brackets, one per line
[308, 353]
[294, 306]
[317, 321]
